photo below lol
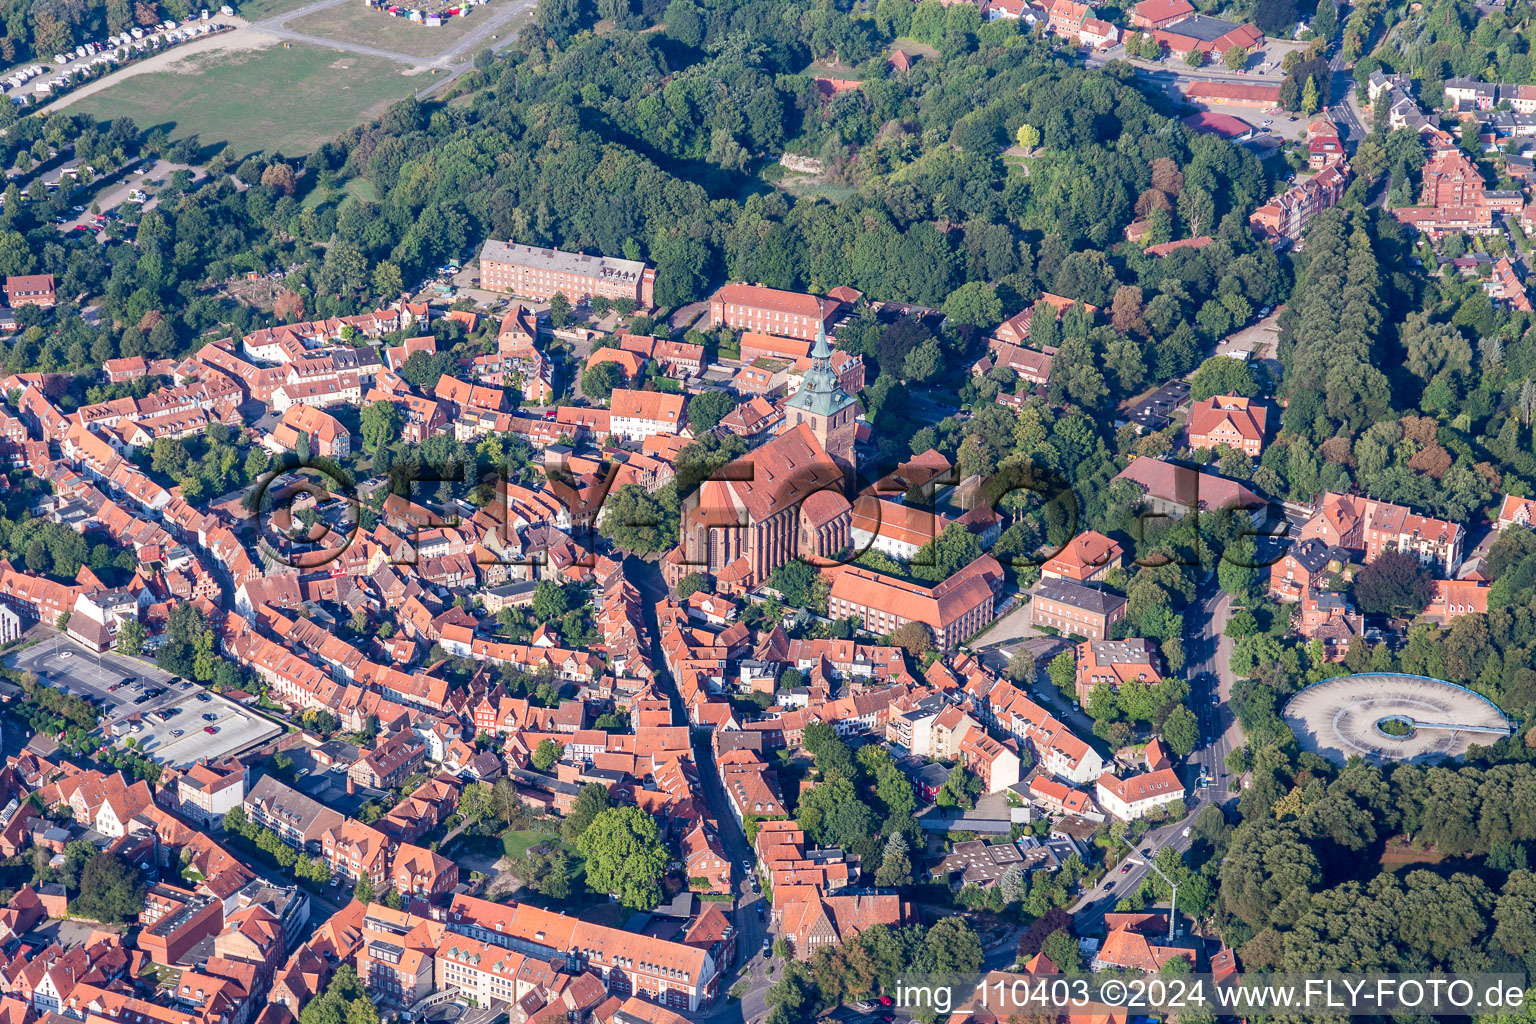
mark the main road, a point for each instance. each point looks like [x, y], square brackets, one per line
[1207, 665]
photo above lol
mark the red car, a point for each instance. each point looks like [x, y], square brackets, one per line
[210, 729]
[886, 1000]
[1124, 868]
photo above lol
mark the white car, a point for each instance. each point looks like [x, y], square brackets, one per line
[1268, 121]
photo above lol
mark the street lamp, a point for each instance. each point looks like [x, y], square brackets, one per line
[1173, 903]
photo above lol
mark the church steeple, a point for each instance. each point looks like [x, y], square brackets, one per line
[822, 403]
[821, 353]
[820, 390]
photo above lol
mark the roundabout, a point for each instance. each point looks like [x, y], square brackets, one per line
[1384, 717]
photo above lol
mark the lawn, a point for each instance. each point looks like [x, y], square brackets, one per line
[255, 10]
[288, 99]
[358, 23]
[517, 844]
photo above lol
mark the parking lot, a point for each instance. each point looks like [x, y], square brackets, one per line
[175, 717]
[148, 179]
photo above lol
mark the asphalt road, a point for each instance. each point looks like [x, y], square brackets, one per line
[1342, 87]
[1171, 70]
[456, 59]
[1207, 655]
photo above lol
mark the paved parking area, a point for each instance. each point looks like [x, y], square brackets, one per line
[1341, 718]
[173, 723]
[150, 177]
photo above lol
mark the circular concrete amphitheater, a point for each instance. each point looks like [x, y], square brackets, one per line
[1386, 716]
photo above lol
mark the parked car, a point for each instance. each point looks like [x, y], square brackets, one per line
[767, 945]
[177, 732]
[210, 729]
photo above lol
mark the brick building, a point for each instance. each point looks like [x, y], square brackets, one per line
[745, 307]
[1232, 420]
[1114, 662]
[1074, 609]
[953, 610]
[534, 272]
[1285, 217]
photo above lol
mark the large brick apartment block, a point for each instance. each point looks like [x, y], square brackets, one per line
[1455, 198]
[953, 610]
[1287, 215]
[666, 972]
[1364, 524]
[746, 307]
[533, 272]
[298, 820]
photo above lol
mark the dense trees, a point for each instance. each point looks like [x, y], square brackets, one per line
[638, 521]
[624, 856]
[1395, 583]
[599, 380]
[546, 755]
[1302, 899]
[708, 408]
[344, 1001]
[110, 890]
[869, 963]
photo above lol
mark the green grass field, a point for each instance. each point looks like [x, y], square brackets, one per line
[355, 22]
[287, 99]
[517, 844]
[255, 10]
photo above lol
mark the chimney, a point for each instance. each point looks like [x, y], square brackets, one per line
[351, 785]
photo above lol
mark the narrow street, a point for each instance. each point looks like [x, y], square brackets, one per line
[1208, 656]
[750, 930]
